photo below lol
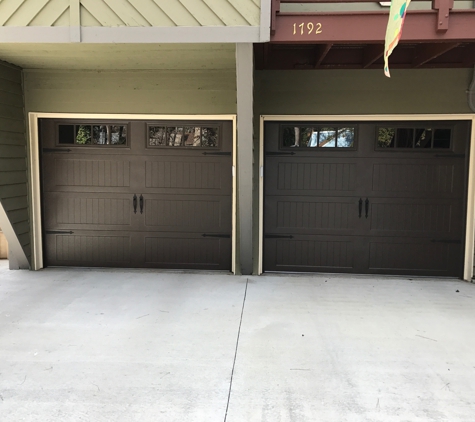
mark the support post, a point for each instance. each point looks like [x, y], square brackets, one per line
[16, 257]
[75, 21]
[244, 75]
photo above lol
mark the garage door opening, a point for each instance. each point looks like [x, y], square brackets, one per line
[386, 197]
[145, 194]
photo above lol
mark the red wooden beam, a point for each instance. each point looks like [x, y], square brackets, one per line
[370, 27]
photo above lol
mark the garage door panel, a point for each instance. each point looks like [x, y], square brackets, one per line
[82, 248]
[418, 177]
[306, 177]
[311, 253]
[188, 213]
[75, 174]
[89, 211]
[416, 256]
[135, 206]
[412, 200]
[198, 174]
[414, 217]
[312, 215]
[187, 251]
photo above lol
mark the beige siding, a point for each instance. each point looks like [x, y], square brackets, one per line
[134, 13]
[13, 165]
[156, 92]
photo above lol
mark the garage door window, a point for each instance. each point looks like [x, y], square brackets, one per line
[92, 135]
[318, 137]
[409, 138]
[186, 136]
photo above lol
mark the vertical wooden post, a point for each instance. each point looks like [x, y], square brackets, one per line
[245, 86]
[75, 21]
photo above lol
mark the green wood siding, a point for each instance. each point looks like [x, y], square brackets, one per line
[13, 159]
[154, 92]
[362, 91]
[113, 13]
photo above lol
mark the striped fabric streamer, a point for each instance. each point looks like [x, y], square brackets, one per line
[397, 13]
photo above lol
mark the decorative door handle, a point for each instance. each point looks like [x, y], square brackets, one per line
[366, 207]
[141, 204]
[135, 204]
[360, 207]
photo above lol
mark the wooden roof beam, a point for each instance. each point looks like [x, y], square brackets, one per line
[469, 55]
[371, 53]
[427, 52]
[321, 51]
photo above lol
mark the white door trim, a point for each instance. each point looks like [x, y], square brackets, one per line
[34, 165]
[470, 223]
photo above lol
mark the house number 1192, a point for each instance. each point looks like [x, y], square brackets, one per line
[309, 28]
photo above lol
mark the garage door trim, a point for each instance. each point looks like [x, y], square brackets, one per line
[34, 164]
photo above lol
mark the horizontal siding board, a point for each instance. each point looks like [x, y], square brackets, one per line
[10, 73]
[22, 228]
[27, 247]
[12, 177]
[8, 98]
[18, 216]
[12, 151]
[156, 92]
[12, 125]
[12, 138]
[16, 203]
[10, 112]
[11, 191]
[12, 164]
[25, 240]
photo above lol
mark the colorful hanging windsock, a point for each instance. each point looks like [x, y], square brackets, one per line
[397, 13]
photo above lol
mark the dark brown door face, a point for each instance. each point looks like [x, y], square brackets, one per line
[152, 194]
[379, 197]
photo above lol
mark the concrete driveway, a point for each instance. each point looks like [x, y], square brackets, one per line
[139, 345]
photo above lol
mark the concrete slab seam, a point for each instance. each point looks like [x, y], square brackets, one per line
[235, 352]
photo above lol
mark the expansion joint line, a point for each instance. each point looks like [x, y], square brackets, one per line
[235, 352]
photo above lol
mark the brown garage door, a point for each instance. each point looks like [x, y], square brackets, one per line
[380, 197]
[137, 194]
